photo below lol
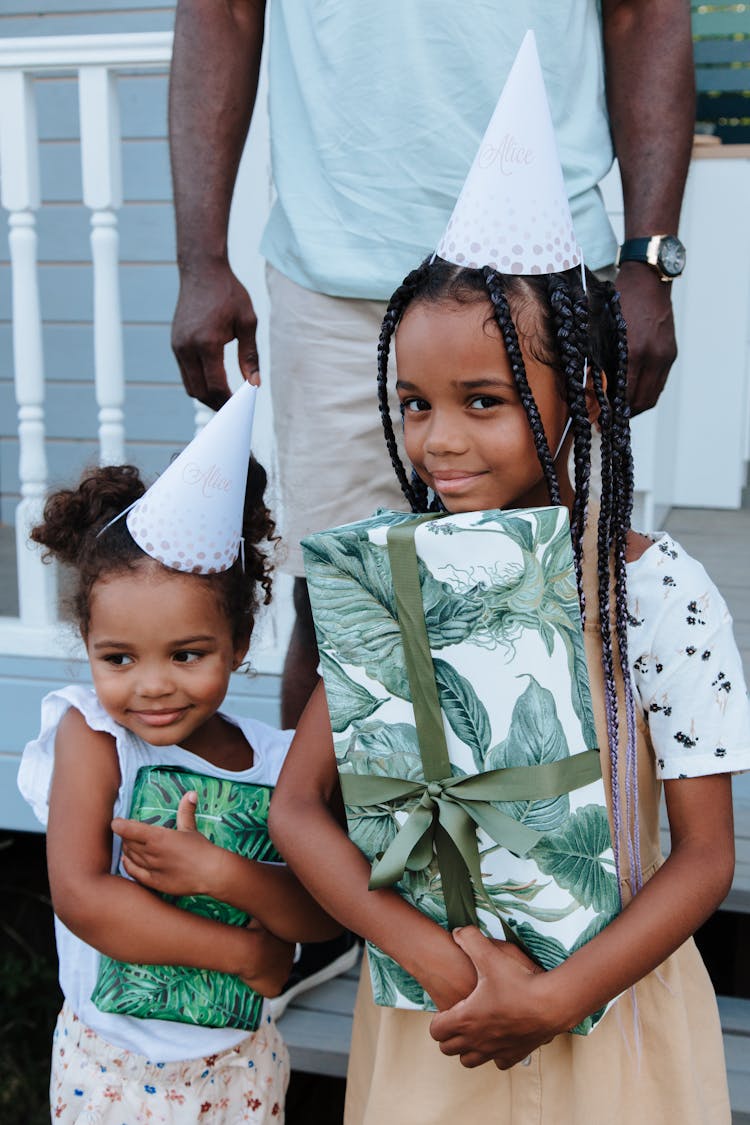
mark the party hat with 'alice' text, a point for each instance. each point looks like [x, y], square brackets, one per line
[190, 519]
[513, 212]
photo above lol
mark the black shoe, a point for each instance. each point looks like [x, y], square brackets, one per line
[317, 962]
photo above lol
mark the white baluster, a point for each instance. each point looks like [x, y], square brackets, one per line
[37, 587]
[203, 414]
[102, 192]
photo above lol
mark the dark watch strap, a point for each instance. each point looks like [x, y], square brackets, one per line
[634, 250]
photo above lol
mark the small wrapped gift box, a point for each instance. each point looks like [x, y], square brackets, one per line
[452, 654]
[234, 815]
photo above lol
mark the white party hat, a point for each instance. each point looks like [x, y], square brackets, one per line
[190, 519]
[513, 212]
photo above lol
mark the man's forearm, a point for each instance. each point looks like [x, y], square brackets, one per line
[213, 83]
[651, 99]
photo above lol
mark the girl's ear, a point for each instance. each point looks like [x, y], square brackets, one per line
[592, 402]
[241, 645]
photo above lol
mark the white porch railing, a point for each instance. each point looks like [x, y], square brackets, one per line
[96, 61]
[691, 450]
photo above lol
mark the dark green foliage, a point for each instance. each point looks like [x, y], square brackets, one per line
[233, 815]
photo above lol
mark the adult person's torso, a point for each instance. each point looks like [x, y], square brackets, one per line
[377, 111]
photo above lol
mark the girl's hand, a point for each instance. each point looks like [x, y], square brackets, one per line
[173, 861]
[505, 1018]
[269, 961]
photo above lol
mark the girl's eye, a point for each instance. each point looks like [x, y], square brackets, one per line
[414, 405]
[187, 657]
[119, 659]
[483, 402]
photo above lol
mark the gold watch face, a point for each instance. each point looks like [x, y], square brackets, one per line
[671, 256]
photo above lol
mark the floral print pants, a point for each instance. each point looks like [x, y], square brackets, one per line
[94, 1083]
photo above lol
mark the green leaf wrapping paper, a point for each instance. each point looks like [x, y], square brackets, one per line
[234, 815]
[509, 827]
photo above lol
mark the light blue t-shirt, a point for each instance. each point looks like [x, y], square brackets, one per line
[377, 110]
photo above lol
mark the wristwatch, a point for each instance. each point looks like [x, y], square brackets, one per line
[664, 252]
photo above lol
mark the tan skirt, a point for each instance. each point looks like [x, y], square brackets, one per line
[670, 1071]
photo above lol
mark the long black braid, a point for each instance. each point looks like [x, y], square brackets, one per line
[577, 331]
[604, 551]
[414, 490]
[571, 323]
[622, 471]
[513, 349]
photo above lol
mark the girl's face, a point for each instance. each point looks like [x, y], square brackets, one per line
[161, 652]
[465, 430]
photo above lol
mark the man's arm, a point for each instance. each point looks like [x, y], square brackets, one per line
[213, 83]
[651, 99]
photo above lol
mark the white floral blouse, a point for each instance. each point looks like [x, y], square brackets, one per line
[686, 666]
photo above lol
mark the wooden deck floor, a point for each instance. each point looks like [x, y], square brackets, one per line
[721, 541]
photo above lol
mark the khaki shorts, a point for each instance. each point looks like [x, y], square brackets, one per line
[334, 467]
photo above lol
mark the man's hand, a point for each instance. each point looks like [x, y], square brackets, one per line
[652, 115]
[652, 348]
[212, 87]
[505, 1018]
[213, 308]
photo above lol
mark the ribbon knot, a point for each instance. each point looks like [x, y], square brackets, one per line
[448, 811]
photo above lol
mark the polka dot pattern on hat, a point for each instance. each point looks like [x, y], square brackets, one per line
[191, 517]
[513, 212]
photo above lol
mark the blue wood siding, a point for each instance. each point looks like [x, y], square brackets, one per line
[159, 417]
[84, 17]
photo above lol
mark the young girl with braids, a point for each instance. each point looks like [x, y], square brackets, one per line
[499, 377]
[161, 645]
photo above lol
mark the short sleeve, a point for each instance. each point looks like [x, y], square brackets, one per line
[38, 758]
[686, 667]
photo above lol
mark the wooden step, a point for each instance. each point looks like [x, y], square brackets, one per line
[317, 1026]
[735, 1024]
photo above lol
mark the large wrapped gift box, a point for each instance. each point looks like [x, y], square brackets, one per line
[452, 654]
[233, 815]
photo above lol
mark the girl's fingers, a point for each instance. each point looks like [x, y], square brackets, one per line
[135, 871]
[472, 1059]
[134, 857]
[476, 946]
[471, 1056]
[131, 830]
[454, 1045]
[186, 812]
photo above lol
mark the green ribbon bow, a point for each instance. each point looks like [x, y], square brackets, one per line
[450, 808]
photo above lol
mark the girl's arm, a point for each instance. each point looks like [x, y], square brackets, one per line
[306, 824]
[181, 861]
[512, 1011]
[118, 917]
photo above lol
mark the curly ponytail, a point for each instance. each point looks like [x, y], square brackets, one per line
[79, 528]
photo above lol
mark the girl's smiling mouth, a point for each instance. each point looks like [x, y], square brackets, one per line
[453, 480]
[160, 718]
